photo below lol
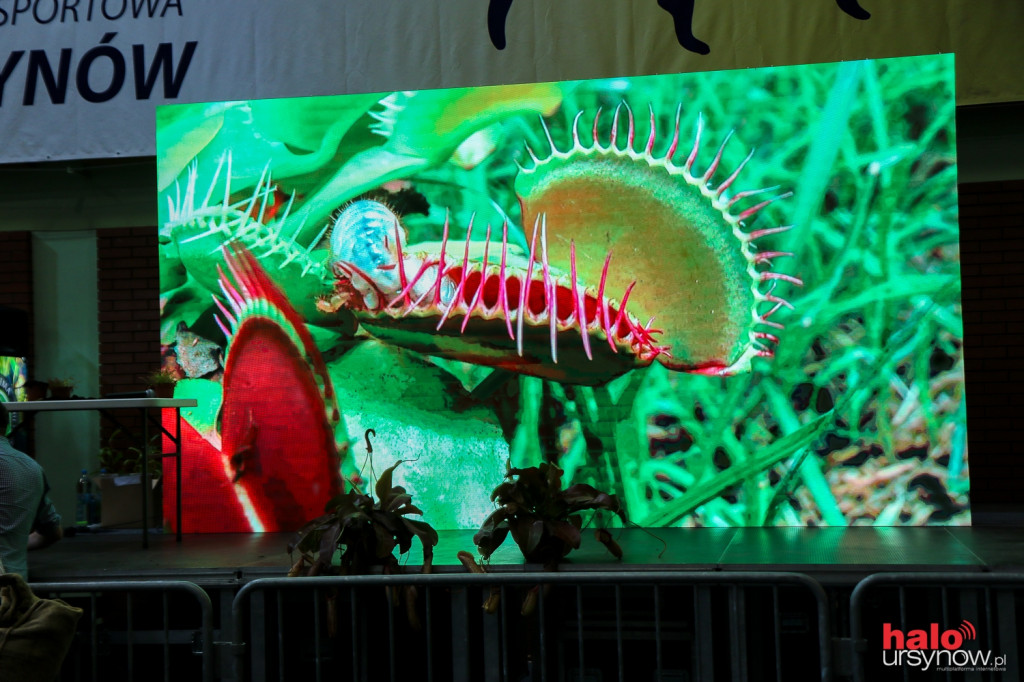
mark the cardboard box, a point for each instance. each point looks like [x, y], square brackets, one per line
[121, 500]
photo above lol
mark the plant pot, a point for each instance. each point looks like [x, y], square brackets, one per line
[162, 390]
[60, 392]
[121, 500]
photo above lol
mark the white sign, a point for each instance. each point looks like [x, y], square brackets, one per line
[81, 78]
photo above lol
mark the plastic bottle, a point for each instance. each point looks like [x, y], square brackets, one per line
[82, 501]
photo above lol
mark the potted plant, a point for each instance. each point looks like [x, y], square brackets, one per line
[35, 389]
[162, 382]
[119, 482]
[364, 533]
[121, 456]
[543, 519]
[61, 387]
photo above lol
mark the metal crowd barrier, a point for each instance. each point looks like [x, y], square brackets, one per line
[585, 626]
[959, 626]
[581, 626]
[126, 632]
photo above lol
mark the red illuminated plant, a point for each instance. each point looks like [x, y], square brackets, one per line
[267, 459]
[632, 259]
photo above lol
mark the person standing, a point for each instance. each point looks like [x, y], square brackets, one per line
[28, 519]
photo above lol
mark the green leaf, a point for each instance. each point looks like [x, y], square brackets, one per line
[329, 543]
[293, 137]
[423, 530]
[385, 541]
[503, 493]
[580, 493]
[423, 129]
[309, 124]
[552, 477]
[530, 531]
[315, 525]
[181, 133]
[383, 487]
[207, 394]
[492, 533]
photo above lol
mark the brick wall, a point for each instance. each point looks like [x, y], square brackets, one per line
[16, 276]
[992, 270]
[129, 310]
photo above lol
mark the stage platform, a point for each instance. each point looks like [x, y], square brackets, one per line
[837, 556]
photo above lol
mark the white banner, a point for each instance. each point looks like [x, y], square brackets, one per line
[81, 78]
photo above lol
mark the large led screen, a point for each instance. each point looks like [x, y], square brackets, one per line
[731, 298]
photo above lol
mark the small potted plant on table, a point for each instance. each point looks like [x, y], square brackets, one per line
[61, 387]
[162, 382]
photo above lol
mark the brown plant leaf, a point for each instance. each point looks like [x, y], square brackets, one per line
[383, 487]
[566, 532]
[606, 539]
[328, 543]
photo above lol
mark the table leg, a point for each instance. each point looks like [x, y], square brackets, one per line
[177, 465]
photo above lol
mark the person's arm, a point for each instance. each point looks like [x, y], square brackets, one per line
[46, 528]
[45, 537]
